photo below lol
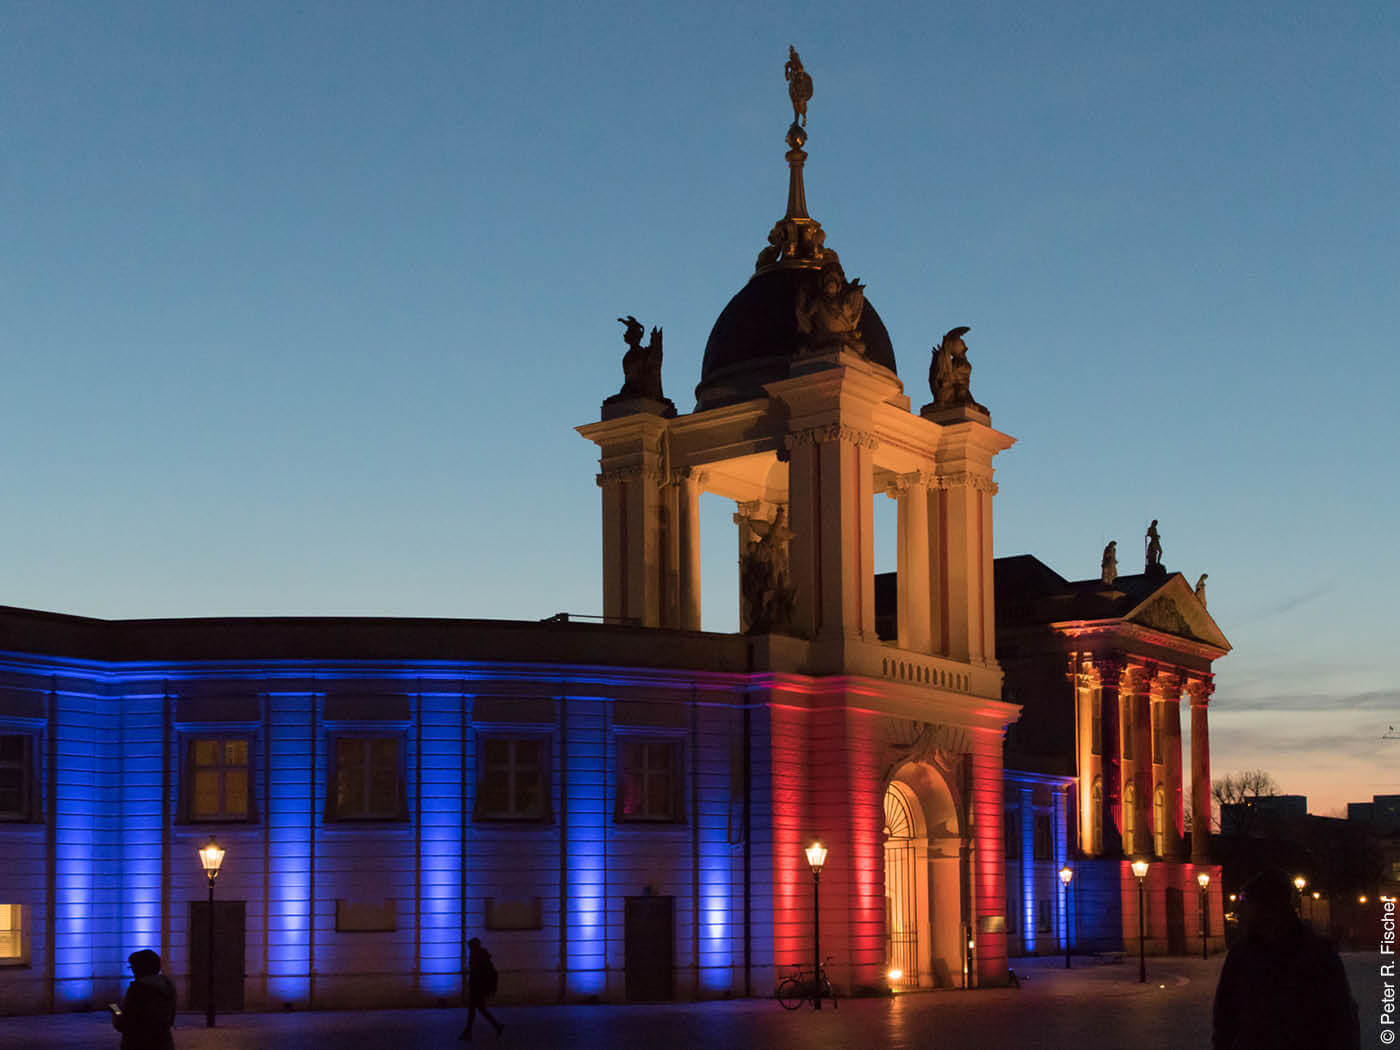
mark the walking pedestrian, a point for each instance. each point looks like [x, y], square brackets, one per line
[482, 979]
[1283, 985]
[148, 1008]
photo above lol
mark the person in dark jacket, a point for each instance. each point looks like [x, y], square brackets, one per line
[481, 985]
[148, 1007]
[1283, 985]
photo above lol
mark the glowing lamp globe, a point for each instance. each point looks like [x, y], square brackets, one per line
[1203, 879]
[1066, 873]
[1299, 882]
[1140, 868]
[816, 857]
[211, 857]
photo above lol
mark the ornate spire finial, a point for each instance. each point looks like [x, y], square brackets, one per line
[797, 239]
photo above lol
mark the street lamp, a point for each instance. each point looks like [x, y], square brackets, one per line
[1203, 880]
[211, 858]
[816, 857]
[1066, 873]
[1299, 884]
[1140, 870]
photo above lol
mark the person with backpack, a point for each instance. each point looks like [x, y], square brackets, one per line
[482, 979]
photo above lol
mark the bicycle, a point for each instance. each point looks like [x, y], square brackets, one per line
[800, 987]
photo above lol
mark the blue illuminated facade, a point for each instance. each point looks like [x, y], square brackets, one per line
[104, 862]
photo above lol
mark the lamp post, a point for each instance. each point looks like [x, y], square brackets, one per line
[1300, 884]
[1203, 880]
[1140, 870]
[211, 858]
[816, 857]
[1066, 873]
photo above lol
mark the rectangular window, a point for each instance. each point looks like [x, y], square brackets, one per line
[367, 778]
[16, 776]
[512, 782]
[649, 781]
[1042, 836]
[218, 778]
[12, 932]
[1011, 826]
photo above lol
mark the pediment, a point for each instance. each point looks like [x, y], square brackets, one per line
[1174, 609]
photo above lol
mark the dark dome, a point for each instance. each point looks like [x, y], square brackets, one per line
[756, 337]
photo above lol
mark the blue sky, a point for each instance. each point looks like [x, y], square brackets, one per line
[300, 303]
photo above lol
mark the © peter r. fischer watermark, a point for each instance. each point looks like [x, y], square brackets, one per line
[1388, 978]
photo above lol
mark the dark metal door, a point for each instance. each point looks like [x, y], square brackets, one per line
[228, 955]
[1176, 921]
[650, 948]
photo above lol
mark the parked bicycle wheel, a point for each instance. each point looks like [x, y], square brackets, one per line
[792, 993]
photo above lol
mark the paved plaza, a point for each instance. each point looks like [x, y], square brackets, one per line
[1098, 1007]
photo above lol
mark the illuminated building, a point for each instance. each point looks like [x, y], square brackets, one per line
[618, 809]
[1099, 670]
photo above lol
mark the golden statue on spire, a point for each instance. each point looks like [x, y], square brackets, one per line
[799, 86]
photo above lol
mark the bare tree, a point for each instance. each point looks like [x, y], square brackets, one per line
[1241, 791]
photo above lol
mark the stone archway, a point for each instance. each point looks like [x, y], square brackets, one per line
[923, 892]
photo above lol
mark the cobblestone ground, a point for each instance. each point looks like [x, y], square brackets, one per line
[1092, 1007]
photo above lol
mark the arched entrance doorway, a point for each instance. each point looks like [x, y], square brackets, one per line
[923, 899]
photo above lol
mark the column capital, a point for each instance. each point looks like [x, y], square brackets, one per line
[966, 479]
[1169, 684]
[1139, 675]
[899, 484]
[1200, 691]
[1109, 668]
[1079, 669]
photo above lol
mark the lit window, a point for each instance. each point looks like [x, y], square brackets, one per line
[12, 934]
[648, 781]
[217, 778]
[511, 785]
[368, 778]
[16, 776]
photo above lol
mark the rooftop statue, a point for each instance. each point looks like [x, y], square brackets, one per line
[1109, 566]
[799, 86]
[1201, 588]
[950, 372]
[1154, 548]
[830, 316]
[641, 365]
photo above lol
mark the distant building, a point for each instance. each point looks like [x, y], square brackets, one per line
[1262, 814]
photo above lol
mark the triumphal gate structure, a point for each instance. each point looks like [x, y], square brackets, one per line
[802, 420]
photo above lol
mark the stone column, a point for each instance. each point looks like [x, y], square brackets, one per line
[1200, 690]
[911, 493]
[1137, 721]
[689, 485]
[1167, 774]
[1086, 746]
[1109, 670]
[964, 565]
[831, 478]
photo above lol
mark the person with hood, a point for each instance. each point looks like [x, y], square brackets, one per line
[1283, 985]
[481, 985]
[148, 1007]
